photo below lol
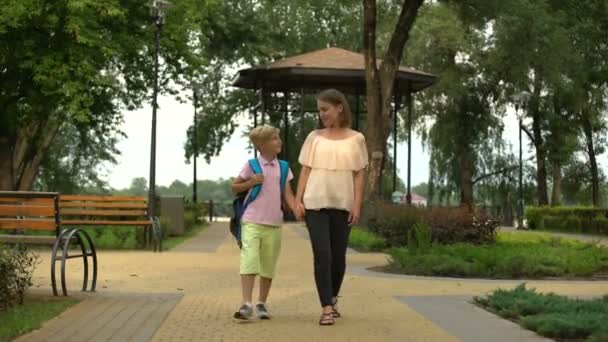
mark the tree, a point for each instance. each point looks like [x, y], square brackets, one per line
[462, 124]
[532, 39]
[380, 80]
[588, 25]
[84, 62]
[139, 187]
[71, 164]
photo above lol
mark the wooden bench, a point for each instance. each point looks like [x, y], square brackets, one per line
[40, 211]
[85, 210]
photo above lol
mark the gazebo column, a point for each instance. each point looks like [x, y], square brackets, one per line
[263, 105]
[255, 121]
[397, 100]
[410, 104]
[357, 112]
[286, 126]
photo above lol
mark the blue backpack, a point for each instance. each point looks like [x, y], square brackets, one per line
[242, 201]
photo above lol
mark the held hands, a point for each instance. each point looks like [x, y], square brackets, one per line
[256, 179]
[299, 211]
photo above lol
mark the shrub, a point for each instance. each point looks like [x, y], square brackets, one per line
[452, 225]
[573, 224]
[16, 268]
[393, 222]
[599, 225]
[568, 219]
[448, 225]
[190, 219]
[364, 240]
[557, 224]
[551, 315]
[197, 211]
[419, 238]
[116, 237]
[165, 226]
[514, 255]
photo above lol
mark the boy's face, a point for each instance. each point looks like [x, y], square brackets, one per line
[272, 146]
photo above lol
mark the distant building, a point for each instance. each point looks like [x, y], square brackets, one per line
[417, 200]
[400, 198]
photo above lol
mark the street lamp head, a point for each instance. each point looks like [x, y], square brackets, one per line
[521, 99]
[158, 9]
[197, 89]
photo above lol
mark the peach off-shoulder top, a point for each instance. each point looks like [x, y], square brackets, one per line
[330, 183]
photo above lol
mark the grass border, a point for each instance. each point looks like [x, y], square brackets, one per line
[22, 319]
[173, 241]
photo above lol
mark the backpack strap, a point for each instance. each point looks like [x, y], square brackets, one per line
[255, 166]
[284, 173]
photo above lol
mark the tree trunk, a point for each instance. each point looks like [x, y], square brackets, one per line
[595, 179]
[466, 181]
[431, 188]
[379, 81]
[20, 158]
[541, 155]
[6, 166]
[507, 211]
[556, 194]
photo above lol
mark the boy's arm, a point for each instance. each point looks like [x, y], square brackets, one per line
[290, 198]
[241, 185]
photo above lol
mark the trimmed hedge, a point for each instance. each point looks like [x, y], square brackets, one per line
[448, 224]
[582, 220]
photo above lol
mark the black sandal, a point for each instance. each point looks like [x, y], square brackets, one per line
[335, 313]
[327, 319]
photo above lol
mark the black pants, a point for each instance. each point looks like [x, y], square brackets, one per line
[329, 230]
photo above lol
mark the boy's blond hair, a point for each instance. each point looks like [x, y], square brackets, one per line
[262, 134]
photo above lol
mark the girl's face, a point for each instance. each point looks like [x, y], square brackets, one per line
[329, 113]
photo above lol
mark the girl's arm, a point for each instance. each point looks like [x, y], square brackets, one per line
[359, 180]
[300, 210]
[304, 173]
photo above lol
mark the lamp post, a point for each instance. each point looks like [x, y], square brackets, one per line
[196, 90]
[520, 100]
[157, 12]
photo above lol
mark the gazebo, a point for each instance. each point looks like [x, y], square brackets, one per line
[332, 68]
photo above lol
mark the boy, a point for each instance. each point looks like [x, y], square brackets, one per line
[261, 222]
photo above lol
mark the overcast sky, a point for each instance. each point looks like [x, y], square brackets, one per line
[173, 120]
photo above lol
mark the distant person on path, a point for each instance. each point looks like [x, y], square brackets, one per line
[261, 220]
[329, 194]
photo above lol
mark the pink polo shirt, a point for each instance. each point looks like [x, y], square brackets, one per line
[266, 209]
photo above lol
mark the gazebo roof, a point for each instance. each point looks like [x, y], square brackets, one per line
[326, 68]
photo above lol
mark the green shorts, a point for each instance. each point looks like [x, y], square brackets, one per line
[261, 248]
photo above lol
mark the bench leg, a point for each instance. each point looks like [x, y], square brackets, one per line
[66, 238]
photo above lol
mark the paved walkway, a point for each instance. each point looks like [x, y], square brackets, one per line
[203, 274]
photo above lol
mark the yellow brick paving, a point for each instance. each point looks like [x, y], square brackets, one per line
[210, 284]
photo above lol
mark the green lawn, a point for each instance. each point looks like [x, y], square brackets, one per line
[513, 256]
[21, 319]
[124, 238]
[550, 315]
[173, 241]
[365, 241]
